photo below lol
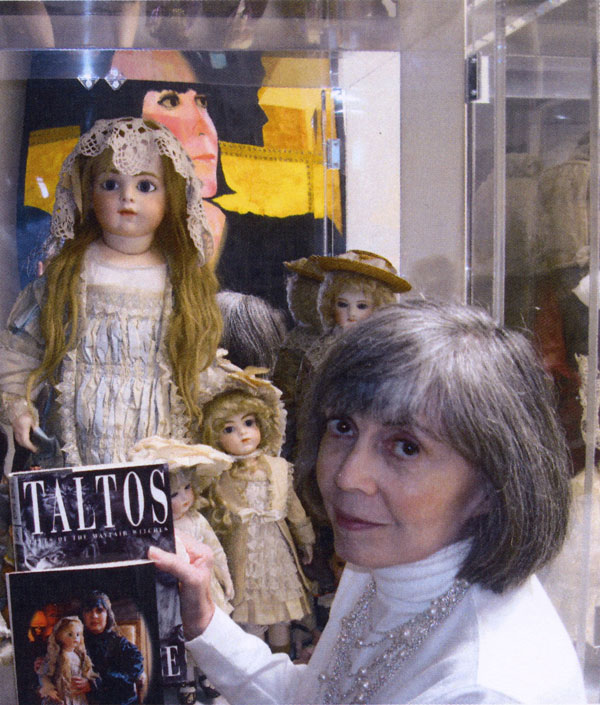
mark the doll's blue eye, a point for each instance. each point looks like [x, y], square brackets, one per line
[109, 185]
[228, 429]
[362, 306]
[146, 186]
[341, 304]
[249, 422]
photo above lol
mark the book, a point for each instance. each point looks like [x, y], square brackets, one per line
[99, 514]
[114, 609]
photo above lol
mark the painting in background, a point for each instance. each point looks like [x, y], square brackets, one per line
[268, 194]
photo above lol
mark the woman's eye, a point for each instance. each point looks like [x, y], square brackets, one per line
[109, 185]
[146, 186]
[339, 427]
[405, 448]
[201, 101]
[169, 101]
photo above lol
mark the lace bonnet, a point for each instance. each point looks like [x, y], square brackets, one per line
[133, 141]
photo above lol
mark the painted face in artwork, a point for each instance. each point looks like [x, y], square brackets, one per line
[186, 115]
[240, 435]
[393, 494]
[70, 636]
[182, 498]
[130, 206]
[352, 306]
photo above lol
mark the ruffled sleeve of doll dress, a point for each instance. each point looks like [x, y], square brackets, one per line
[116, 386]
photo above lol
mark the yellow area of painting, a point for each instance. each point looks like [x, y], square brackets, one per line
[47, 151]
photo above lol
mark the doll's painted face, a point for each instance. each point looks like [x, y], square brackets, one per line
[186, 115]
[182, 498]
[70, 636]
[352, 306]
[130, 206]
[240, 435]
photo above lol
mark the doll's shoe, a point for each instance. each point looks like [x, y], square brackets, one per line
[207, 690]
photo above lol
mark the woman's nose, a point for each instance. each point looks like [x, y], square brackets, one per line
[355, 472]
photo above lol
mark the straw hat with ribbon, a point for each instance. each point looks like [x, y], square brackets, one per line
[367, 264]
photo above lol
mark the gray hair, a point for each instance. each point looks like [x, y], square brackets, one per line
[451, 370]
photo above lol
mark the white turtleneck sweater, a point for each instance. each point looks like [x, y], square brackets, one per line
[491, 649]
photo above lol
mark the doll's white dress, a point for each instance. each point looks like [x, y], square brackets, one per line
[76, 670]
[196, 525]
[116, 385]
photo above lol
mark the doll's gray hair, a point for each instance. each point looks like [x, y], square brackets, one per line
[132, 141]
[452, 371]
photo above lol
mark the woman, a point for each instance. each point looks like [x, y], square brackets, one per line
[443, 471]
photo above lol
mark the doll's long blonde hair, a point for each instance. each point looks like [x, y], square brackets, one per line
[59, 667]
[195, 327]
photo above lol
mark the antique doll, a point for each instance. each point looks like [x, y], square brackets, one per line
[356, 283]
[256, 510]
[302, 285]
[191, 469]
[117, 340]
[66, 658]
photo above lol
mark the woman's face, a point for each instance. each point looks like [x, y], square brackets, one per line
[130, 206]
[95, 620]
[182, 499]
[186, 115]
[240, 435]
[393, 494]
[70, 636]
[352, 306]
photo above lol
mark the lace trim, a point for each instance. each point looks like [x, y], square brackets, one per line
[133, 143]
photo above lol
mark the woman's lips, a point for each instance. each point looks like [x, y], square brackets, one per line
[353, 523]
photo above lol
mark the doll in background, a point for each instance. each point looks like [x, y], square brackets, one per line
[302, 287]
[356, 283]
[255, 509]
[117, 340]
[66, 658]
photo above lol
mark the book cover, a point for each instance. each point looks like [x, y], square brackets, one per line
[100, 514]
[95, 514]
[87, 632]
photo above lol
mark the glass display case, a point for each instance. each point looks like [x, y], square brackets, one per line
[532, 185]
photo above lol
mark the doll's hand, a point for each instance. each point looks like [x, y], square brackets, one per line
[22, 426]
[307, 554]
[80, 685]
[197, 606]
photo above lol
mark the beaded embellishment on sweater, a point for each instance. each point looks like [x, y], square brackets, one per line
[392, 649]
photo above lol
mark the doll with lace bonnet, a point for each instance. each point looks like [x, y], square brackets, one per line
[255, 509]
[66, 658]
[191, 469]
[117, 340]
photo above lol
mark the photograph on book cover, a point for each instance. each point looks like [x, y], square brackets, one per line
[86, 635]
[257, 128]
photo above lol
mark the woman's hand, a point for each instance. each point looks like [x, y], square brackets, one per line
[22, 426]
[197, 606]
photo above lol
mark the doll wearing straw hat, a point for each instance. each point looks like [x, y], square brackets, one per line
[355, 284]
